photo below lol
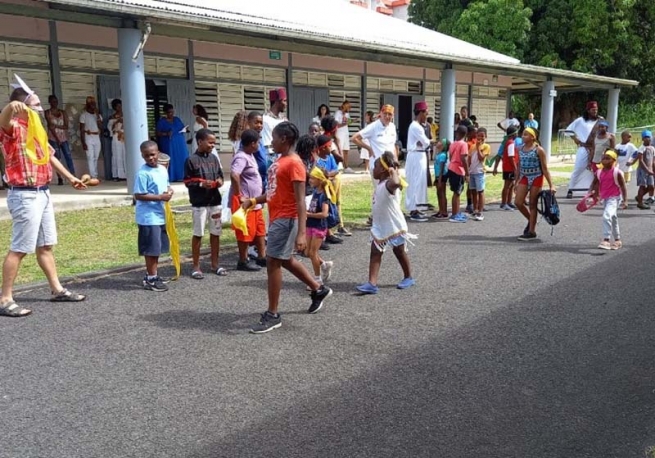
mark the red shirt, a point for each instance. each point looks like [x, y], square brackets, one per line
[510, 154]
[19, 169]
[280, 196]
[457, 149]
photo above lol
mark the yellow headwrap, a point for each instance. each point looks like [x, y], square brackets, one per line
[403, 183]
[531, 131]
[330, 192]
[36, 134]
[611, 153]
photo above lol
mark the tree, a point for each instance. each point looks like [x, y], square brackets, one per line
[439, 15]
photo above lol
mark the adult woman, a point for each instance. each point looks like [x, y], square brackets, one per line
[239, 126]
[58, 134]
[170, 133]
[200, 115]
[533, 168]
[115, 126]
[322, 112]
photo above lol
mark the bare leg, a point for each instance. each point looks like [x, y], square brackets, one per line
[374, 265]
[521, 192]
[640, 194]
[455, 204]
[298, 269]
[274, 273]
[196, 243]
[403, 259]
[441, 197]
[260, 244]
[534, 199]
[9, 273]
[474, 199]
[215, 246]
[313, 245]
[243, 251]
[480, 207]
[46, 260]
[151, 265]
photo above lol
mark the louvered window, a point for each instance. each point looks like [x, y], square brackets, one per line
[489, 108]
[373, 102]
[397, 86]
[37, 80]
[220, 71]
[321, 79]
[24, 53]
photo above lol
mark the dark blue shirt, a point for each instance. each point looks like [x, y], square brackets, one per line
[316, 206]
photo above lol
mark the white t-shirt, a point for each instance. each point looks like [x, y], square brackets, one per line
[342, 132]
[625, 153]
[90, 122]
[510, 122]
[381, 138]
[270, 121]
[416, 135]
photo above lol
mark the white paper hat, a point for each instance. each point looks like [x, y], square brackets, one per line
[20, 83]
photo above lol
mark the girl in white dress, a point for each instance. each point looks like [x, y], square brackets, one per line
[115, 126]
[200, 115]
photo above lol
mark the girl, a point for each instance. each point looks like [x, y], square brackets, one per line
[441, 178]
[317, 213]
[115, 126]
[533, 167]
[389, 227]
[238, 126]
[201, 122]
[314, 129]
[322, 112]
[609, 185]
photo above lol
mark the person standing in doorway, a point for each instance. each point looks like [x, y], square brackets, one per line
[115, 126]
[342, 117]
[201, 121]
[583, 131]
[58, 135]
[323, 112]
[416, 166]
[531, 122]
[90, 122]
[274, 116]
[170, 133]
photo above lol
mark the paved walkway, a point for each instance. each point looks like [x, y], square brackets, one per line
[504, 349]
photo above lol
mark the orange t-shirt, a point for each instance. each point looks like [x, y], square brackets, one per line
[280, 197]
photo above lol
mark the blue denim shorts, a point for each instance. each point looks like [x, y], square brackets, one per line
[477, 182]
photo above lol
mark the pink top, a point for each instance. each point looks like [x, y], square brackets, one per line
[456, 151]
[608, 186]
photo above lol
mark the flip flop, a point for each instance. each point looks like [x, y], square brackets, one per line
[197, 275]
[13, 310]
[221, 272]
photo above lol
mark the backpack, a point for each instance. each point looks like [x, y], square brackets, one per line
[616, 175]
[333, 215]
[548, 208]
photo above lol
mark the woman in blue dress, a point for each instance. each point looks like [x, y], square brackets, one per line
[172, 141]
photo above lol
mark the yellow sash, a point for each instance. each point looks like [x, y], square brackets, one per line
[36, 134]
[173, 238]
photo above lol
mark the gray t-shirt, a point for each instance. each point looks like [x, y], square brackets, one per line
[648, 153]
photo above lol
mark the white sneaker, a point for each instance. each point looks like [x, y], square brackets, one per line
[326, 270]
[252, 252]
[348, 170]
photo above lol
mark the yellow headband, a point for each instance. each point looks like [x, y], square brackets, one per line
[330, 192]
[403, 183]
[531, 131]
[387, 109]
[611, 153]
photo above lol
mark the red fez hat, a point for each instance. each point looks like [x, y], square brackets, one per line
[421, 106]
[592, 104]
[277, 94]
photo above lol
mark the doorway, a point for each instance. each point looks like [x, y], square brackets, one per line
[156, 98]
[405, 117]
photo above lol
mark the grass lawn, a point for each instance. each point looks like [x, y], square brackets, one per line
[561, 168]
[103, 238]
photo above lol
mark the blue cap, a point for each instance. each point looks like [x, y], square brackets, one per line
[602, 122]
[646, 133]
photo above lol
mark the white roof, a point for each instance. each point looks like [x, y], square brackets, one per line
[318, 18]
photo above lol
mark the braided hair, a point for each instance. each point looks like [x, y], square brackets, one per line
[288, 131]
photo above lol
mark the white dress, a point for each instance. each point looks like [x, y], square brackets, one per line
[416, 167]
[117, 149]
[388, 219]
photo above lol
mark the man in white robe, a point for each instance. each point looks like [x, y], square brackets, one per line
[416, 165]
[583, 131]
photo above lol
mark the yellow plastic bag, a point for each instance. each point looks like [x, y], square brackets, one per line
[239, 220]
[36, 134]
[173, 239]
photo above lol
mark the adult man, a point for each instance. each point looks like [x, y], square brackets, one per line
[274, 116]
[531, 122]
[342, 116]
[583, 132]
[509, 121]
[29, 163]
[417, 163]
[90, 125]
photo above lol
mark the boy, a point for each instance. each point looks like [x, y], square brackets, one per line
[203, 177]
[151, 190]
[285, 196]
[508, 157]
[478, 154]
[441, 177]
[458, 172]
[625, 150]
[645, 179]
[471, 142]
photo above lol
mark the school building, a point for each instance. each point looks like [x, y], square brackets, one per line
[227, 55]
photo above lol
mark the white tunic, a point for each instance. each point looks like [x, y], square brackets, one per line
[581, 178]
[342, 132]
[388, 218]
[416, 167]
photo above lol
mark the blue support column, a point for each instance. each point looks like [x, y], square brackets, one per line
[548, 94]
[447, 119]
[133, 96]
[613, 109]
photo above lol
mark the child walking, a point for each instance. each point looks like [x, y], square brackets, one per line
[317, 226]
[203, 176]
[609, 185]
[645, 179]
[389, 226]
[151, 190]
[477, 155]
[285, 196]
[441, 179]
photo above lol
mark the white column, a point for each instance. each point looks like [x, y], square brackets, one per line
[548, 95]
[613, 109]
[133, 96]
[447, 119]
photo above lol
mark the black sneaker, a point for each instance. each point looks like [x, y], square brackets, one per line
[248, 266]
[324, 247]
[267, 323]
[154, 285]
[164, 280]
[318, 297]
[261, 262]
[527, 237]
[333, 239]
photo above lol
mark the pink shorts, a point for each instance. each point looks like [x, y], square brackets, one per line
[315, 232]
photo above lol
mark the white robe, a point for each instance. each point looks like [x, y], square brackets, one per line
[118, 168]
[581, 178]
[416, 167]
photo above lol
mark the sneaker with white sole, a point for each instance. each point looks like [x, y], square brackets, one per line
[267, 323]
[326, 270]
[318, 297]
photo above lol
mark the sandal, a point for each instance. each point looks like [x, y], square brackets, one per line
[221, 272]
[197, 275]
[13, 310]
[66, 296]
[617, 245]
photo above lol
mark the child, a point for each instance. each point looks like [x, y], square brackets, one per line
[458, 171]
[317, 213]
[645, 179]
[389, 225]
[440, 178]
[625, 150]
[327, 162]
[603, 141]
[508, 157]
[285, 196]
[471, 142]
[533, 167]
[151, 190]
[246, 182]
[476, 163]
[203, 176]
[609, 185]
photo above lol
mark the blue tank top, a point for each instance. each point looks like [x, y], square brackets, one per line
[530, 165]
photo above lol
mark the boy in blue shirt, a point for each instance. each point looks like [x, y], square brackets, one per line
[328, 164]
[151, 190]
[441, 178]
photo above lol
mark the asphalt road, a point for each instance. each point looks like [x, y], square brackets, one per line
[504, 349]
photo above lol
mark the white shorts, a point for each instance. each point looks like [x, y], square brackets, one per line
[33, 220]
[363, 155]
[204, 215]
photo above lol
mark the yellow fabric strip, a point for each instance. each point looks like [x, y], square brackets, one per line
[173, 239]
[36, 134]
